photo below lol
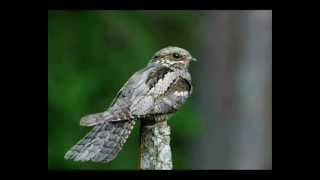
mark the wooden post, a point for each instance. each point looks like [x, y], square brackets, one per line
[155, 151]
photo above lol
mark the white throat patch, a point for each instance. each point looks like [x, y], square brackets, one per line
[181, 93]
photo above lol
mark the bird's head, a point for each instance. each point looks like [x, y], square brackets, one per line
[173, 56]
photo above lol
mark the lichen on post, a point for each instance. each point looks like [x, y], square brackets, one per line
[155, 151]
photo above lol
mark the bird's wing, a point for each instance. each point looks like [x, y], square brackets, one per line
[168, 90]
[119, 110]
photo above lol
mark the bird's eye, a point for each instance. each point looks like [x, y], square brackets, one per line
[155, 57]
[176, 55]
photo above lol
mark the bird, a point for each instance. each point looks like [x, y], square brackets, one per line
[152, 94]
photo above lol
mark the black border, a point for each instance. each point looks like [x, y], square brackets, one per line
[134, 5]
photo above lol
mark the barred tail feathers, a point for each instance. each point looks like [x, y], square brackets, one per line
[102, 143]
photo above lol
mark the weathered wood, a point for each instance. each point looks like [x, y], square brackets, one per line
[155, 151]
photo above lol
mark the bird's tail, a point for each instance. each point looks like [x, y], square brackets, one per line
[102, 143]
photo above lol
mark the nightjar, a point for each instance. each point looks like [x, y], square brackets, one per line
[152, 94]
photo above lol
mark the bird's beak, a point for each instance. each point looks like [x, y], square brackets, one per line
[194, 59]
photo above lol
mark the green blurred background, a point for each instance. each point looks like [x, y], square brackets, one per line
[91, 54]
